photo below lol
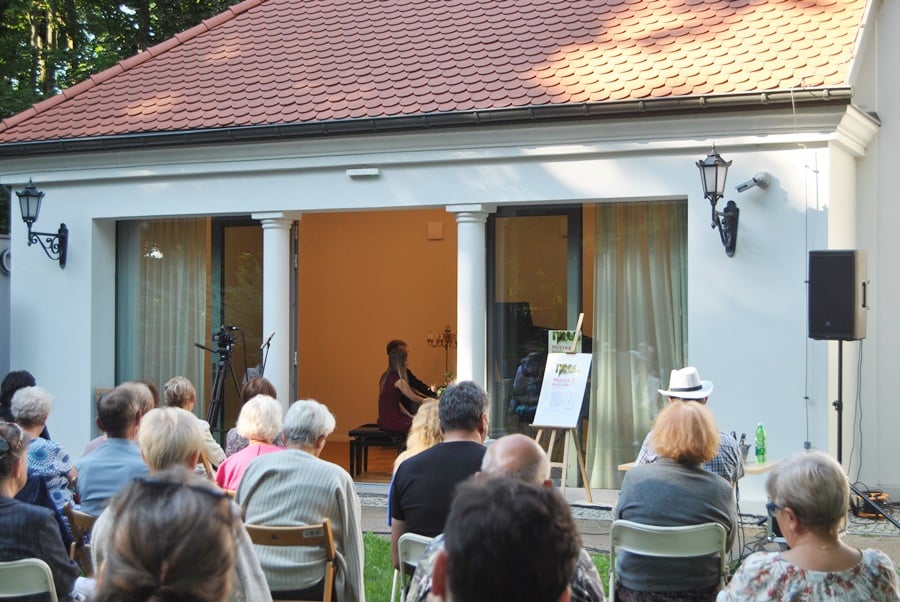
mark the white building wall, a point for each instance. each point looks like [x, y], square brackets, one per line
[747, 314]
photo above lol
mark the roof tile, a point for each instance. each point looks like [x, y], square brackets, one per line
[323, 60]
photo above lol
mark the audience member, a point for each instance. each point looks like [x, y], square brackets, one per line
[180, 393]
[259, 422]
[47, 459]
[810, 498]
[521, 458]
[685, 385]
[397, 402]
[30, 531]
[174, 540]
[417, 385]
[296, 487]
[146, 397]
[172, 437]
[253, 387]
[674, 491]
[107, 469]
[12, 382]
[424, 433]
[507, 540]
[423, 485]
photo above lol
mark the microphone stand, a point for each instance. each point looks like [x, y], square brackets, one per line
[264, 357]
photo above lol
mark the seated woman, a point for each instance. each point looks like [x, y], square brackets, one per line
[234, 442]
[675, 491]
[259, 422]
[174, 540]
[180, 393]
[46, 459]
[425, 432]
[395, 393]
[30, 531]
[810, 499]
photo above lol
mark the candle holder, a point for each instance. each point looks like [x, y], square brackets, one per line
[446, 339]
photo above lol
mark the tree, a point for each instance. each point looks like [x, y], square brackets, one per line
[48, 45]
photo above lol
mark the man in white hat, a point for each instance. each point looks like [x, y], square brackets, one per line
[685, 385]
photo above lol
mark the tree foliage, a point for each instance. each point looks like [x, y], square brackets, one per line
[48, 45]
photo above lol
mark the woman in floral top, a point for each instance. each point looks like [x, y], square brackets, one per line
[810, 498]
[46, 459]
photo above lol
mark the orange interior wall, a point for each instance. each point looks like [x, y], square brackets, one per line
[366, 278]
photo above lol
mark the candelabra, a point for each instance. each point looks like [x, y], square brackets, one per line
[446, 340]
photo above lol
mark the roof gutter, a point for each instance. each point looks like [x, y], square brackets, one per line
[776, 99]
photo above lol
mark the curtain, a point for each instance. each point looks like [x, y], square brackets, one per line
[161, 305]
[640, 326]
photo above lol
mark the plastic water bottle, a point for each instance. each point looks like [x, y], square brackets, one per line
[760, 443]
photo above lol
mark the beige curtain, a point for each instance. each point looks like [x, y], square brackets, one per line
[640, 326]
[162, 280]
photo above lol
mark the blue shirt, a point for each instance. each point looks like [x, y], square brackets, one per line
[106, 471]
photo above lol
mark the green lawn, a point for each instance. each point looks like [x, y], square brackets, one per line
[379, 572]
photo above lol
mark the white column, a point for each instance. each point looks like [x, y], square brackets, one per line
[276, 228]
[471, 292]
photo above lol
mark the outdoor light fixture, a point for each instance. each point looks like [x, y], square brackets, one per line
[713, 170]
[54, 245]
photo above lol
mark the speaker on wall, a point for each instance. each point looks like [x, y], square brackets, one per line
[837, 295]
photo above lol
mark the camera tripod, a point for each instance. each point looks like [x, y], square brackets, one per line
[215, 415]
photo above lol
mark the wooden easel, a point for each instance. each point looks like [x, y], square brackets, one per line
[572, 436]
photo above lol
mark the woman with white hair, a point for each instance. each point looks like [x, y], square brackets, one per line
[46, 459]
[810, 498]
[259, 422]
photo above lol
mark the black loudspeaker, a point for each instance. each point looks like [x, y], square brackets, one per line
[837, 295]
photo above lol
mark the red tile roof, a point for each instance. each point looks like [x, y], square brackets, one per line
[304, 61]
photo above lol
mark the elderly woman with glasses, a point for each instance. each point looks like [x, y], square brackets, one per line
[810, 499]
[30, 531]
[675, 491]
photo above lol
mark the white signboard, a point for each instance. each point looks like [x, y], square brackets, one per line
[562, 391]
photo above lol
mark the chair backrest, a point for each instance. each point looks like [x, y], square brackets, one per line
[25, 577]
[410, 548]
[668, 542]
[81, 524]
[308, 535]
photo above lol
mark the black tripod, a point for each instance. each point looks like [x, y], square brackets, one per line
[215, 415]
[839, 407]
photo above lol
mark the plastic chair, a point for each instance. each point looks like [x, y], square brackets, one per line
[410, 548]
[308, 535]
[667, 542]
[81, 524]
[26, 577]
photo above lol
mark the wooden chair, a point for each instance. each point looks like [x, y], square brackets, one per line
[26, 577]
[81, 524]
[667, 542]
[410, 548]
[309, 535]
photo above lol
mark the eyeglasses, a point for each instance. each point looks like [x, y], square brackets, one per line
[772, 508]
[5, 443]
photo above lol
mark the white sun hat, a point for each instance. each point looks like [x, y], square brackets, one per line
[686, 384]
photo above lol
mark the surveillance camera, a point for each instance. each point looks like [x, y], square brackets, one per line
[761, 179]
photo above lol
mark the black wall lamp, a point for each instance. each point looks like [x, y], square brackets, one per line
[54, 245]
[713, 170]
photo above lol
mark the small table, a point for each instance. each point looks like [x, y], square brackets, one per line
[756, 468]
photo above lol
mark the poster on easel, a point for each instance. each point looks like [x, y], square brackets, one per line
[562, 390]
[563, 341]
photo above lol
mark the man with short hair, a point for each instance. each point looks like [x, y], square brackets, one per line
[685, 385]
[507, 540]
[423, 484]
[295, 487]
[172, 437]
[106, 470]
[520, 458]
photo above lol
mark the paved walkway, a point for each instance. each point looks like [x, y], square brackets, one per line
[593, 525]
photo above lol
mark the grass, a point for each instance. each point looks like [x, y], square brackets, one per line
[379, 572]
